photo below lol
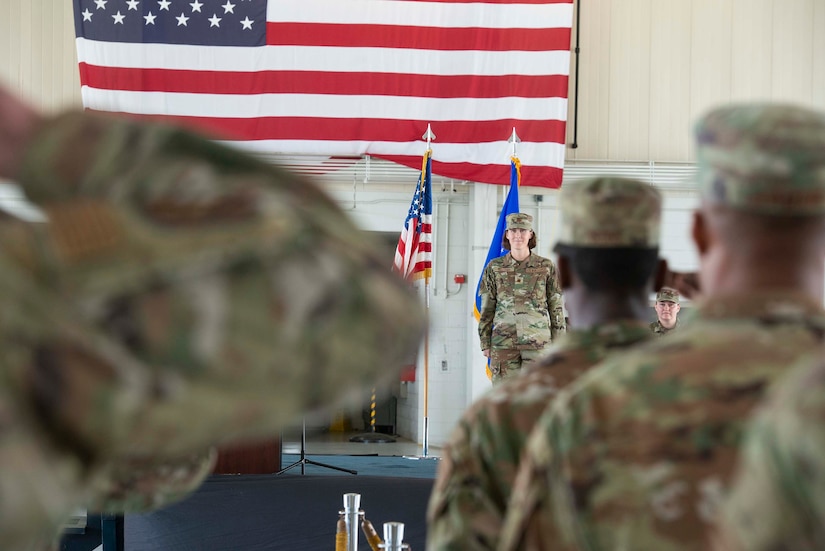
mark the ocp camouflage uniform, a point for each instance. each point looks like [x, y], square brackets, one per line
[137, 484]
[479, 463]
[639, 452]
[660, 330]
[521, 310]
[182, 295]
[778, 498]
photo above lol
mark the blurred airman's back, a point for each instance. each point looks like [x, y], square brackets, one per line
[181, 295]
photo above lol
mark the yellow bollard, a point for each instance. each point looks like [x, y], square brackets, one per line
[340, 422]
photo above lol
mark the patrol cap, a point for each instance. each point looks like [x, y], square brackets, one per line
[519, 220]
[609, 211]
[666, 294]
[763, 158]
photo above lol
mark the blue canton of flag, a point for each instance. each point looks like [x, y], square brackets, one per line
[197, 22]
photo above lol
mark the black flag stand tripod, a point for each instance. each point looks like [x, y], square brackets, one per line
[303, 461]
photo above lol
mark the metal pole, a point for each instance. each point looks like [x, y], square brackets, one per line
[393, 536]
[575, 143]
[429, 136]
[426, 440]
[352, 503]
[426, 435]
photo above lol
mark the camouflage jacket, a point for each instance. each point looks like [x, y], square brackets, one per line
[660, 330]
[136, 484]
[182, 295]
[638, 453]
[778, 498]
[479, 462]
[521, 304]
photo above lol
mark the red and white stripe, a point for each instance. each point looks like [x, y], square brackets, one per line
[414, 254]
[355, 77]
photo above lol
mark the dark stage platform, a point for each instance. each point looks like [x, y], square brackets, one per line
[268, 512]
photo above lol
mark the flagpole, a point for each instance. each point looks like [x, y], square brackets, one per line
[429, 136]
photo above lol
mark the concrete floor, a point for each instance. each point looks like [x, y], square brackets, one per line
[338, 443]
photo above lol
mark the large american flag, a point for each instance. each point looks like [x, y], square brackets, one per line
[343, 77]
[414, 254]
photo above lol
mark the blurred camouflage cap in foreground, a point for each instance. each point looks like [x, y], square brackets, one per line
[666, 294]
[182, 295]
[609, 211]
[519, 220]
[246, 293]
[761, 157]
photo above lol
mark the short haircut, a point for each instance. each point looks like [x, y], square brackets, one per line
[505, 243]
[611, 269]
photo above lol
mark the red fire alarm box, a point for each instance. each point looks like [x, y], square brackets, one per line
[408, 373]
[460, 278]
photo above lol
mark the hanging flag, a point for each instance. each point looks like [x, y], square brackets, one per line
[414, 255]
[496, 245]
[342, 77]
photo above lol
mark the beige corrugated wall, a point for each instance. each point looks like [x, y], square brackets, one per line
[38, 53]
[647, 67]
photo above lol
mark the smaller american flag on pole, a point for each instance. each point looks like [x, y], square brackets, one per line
[414, 255]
